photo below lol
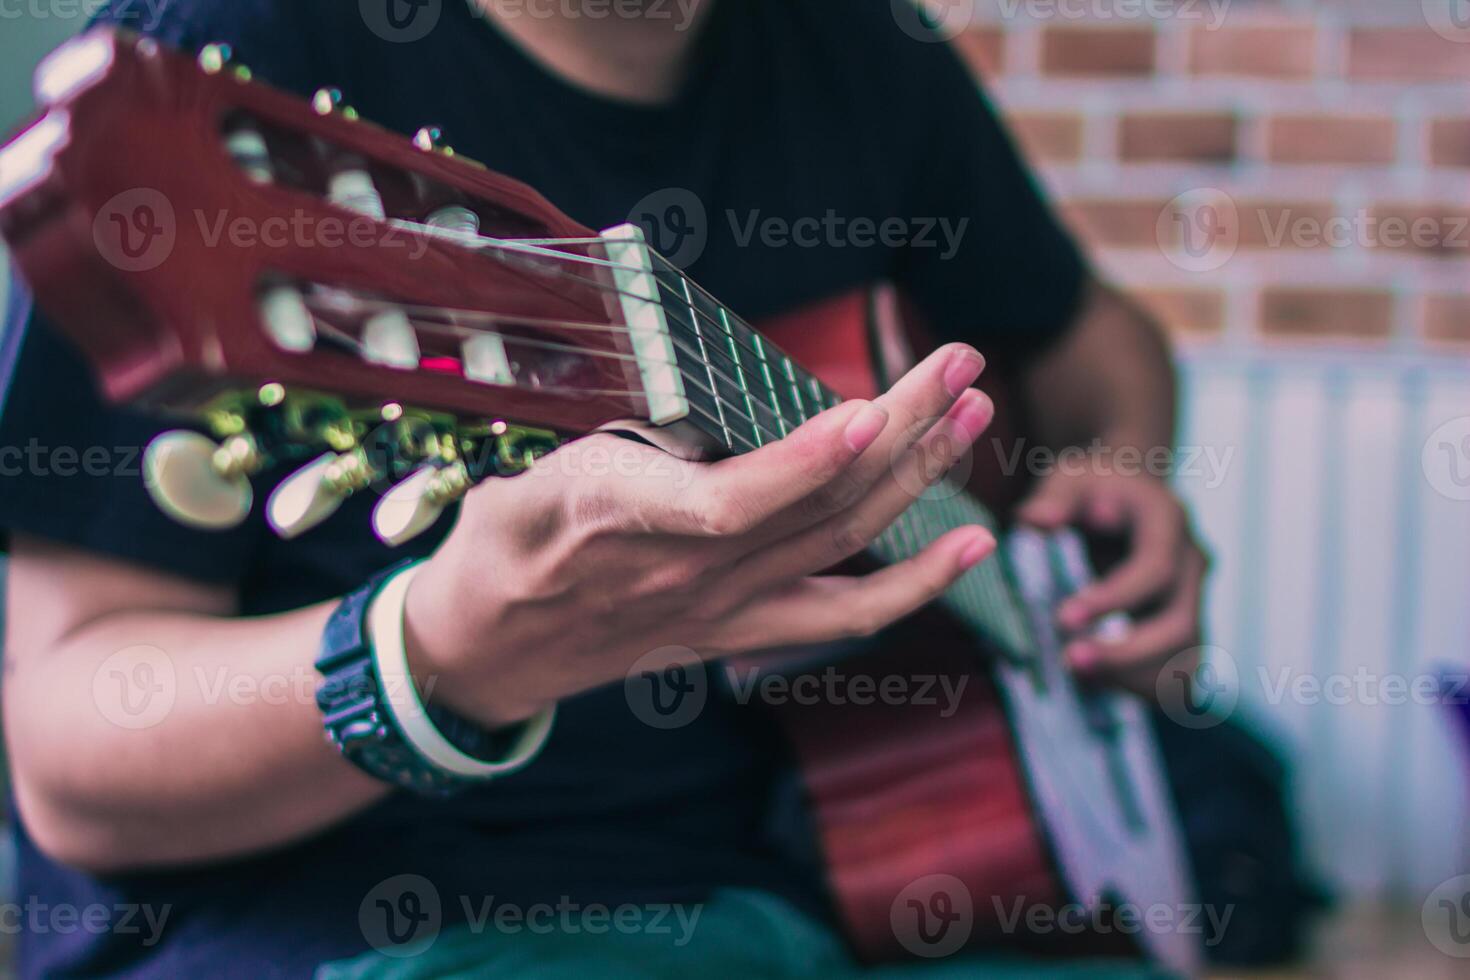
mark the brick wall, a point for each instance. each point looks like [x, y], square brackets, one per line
[1257, 171]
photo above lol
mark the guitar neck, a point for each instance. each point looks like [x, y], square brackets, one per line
[745, 392]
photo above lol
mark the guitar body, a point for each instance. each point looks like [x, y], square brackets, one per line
[946, 824]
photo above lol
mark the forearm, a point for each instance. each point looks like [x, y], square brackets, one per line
[1110, 381]
[155, 738]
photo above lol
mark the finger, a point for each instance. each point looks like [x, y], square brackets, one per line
[823, 609]
[736, 495]
[1053, 504]
[1153, 565]
[1148, 643]
[844, 535]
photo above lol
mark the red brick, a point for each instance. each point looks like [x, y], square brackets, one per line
[1284, 224]
[1128, 224]
[1055, 136]
[1408, 54]
[1449, 142]
[984, 48]
[1098, 51]
[1358, 314]
[1280, 51]
[1205, 137]
[1447, 318]
[1332, 139]
[1189, 311]
[1439, 230]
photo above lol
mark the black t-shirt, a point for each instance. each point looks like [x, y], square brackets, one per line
[814, 109]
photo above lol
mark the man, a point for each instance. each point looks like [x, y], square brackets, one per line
[234, 819]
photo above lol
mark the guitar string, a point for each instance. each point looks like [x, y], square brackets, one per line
[459, 330]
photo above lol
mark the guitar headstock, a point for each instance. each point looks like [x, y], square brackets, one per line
[312, 287]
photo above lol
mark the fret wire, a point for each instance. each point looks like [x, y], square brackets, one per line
[739, 368]
[708, 368]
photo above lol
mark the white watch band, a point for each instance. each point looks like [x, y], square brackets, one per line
[390, 657]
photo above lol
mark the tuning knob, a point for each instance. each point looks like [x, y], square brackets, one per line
[198, 482]
[412, 507]
[287, 319]
[431, 138]
[388, 338]
[329, 100]
[315, 492]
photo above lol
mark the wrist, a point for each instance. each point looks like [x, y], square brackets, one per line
[454, 660]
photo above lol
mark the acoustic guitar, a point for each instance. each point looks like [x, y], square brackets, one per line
[473, 330]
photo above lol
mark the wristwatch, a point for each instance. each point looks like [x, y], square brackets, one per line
[372, 710]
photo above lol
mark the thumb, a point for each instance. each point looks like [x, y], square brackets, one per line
[1052, 504]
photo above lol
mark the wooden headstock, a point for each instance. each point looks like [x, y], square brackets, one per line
[311, 286]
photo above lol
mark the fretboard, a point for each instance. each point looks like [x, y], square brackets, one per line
[746, 392]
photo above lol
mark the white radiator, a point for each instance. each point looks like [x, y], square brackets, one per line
[1342, 558]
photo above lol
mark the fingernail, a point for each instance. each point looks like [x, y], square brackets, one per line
[865, 427]
[1082, 656]
[974, 415]
[962, 371]
[1072, 615]
[978, 550]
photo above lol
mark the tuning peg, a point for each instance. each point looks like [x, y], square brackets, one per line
[484, 360]
[287, 320]
[431, 138]
[329, 100]
[315, 492]
[199, 482]
[412, 507]
[388, 338]
[215, 58]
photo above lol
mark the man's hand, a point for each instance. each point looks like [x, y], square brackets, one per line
[559, 580]
[1160, 582]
